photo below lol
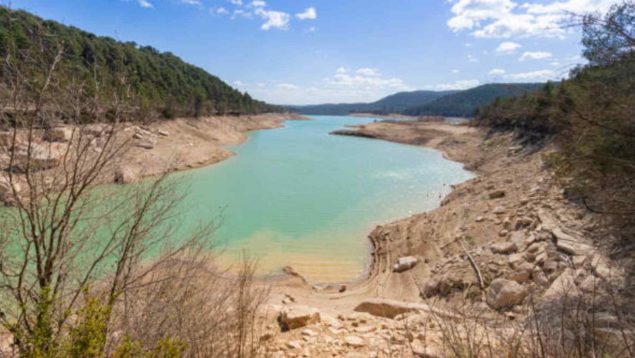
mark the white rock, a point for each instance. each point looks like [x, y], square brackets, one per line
[405, 263]
[506, 247]
[354, 341]
[299, 316]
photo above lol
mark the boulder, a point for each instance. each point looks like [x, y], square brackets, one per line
[298, 316]
[405, 263]
[522, 273]
[388, 308]
[42, 157]
[499, 210]
[58, 134]
[496, 194]
[125, 175]
[354, 341]
[505, 247]
[503, 293]
[146, 144]
[522, 223]
[563, 286]
[163, 132]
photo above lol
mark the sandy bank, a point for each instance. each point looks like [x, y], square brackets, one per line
[191, 143]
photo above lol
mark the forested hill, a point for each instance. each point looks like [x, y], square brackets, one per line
[444, 103]
[392, 104]
[160, 83]
[465, 103]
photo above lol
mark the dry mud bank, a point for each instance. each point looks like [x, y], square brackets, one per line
[506, 244]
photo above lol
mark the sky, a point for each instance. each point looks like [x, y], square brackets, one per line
[337, 51]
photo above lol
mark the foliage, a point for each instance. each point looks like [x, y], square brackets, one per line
[464, 103]
[160, 83]
[591, 117]
[392, 104]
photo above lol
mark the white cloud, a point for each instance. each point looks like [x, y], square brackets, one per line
[541, 75]
[308, 14]
[258, 3]
[273, 19]
[536, 55]
[145, 4]
[370, 72]
[508, 18]
[471, 58]
[357, 85]
[219, 11]
[191, 2]
[496, 72]
[236, 2]
[456, 85]
[242, 14]
[507, 47]
[455, 71]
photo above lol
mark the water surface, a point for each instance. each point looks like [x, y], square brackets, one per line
[301, 197]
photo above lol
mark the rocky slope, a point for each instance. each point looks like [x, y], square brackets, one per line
[507, 244]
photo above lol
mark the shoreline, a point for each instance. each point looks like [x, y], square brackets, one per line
[434, 135]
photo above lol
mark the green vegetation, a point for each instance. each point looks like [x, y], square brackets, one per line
[464, 103]
[159, 84]
[427, 103]
[392, 104]
[590, 117]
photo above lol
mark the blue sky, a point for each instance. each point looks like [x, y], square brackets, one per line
[316, 51]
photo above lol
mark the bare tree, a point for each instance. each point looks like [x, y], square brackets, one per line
[76, 260]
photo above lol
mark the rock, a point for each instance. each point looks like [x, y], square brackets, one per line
[515, 260]
[503, 233]
[354, 341]
[163, 132]
[496, 194]
[7, 188]
[522, 223]
[138, 135]
[294, 344]
[309, 333]
[388, 308]
[59, 134]
[563, 286]
[550, 266]
[589, 285]
[479, 219]
[422, 351]
[125, 175]
[405, 263]
[146, 144]
[499, 210]
[522, 273]
[503, 293]
[298, 316]
[539, 277]
[42, 157]
[504, 248]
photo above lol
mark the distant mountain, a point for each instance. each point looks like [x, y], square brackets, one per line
[160, 82]
[464, 103]
[395, 103]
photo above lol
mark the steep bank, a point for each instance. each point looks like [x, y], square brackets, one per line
[506, 245]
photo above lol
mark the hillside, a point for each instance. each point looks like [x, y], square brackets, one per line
[464, 103]
[416, 103]
[391, 104]
[160, 84]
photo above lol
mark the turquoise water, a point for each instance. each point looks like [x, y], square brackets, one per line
[301, 197]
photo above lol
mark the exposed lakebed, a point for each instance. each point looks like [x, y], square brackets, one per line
[298, 196]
